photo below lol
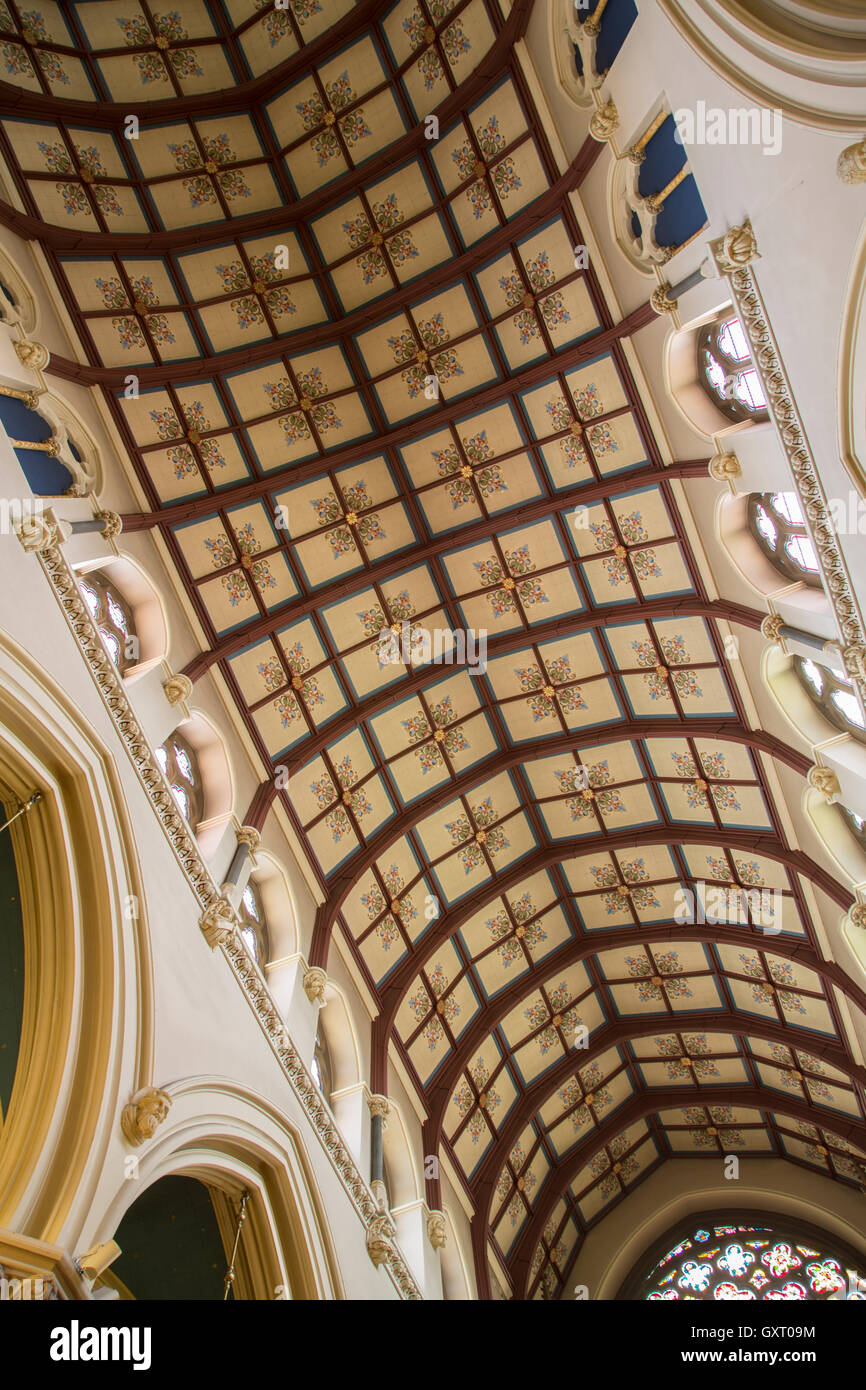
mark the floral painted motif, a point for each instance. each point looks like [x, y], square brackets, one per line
[455, 42]
[686, 684]
[236, 587]
[527, 326]
[185, 63]
[182, 461]
[233, 276]
[113, 294]
[601, 440]
[74, 197]
[401, 248]
[233, 184]
[560, 415]
[553, 310]
[354, 128]
[358, 231]
[129, 333]
[414, 27]
[645, 564]
[430, 69]
[587, 401]
[505, 178]
[53, 68]
[479, 199]
[325, 146]
[280, 394]
[201, 191]
[135, 31]
[185, 155]
[151, 68]
[632, 528]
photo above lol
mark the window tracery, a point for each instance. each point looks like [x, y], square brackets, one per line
[777, 522]
[727, 372]
[833, 695]
[756, 1263]
[180, 765]
[114, 618]
[321, 1066]
[253, 925]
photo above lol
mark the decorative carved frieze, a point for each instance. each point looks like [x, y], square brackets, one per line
[733, 254]
[233, 950]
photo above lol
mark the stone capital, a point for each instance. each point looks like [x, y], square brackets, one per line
[604, 121]
[217, 922]
[771, 626]
[113, 524]
[379, 1106]
[144, 1114]
[857, 915]
[177, 689]
[660, 301]
[824, 779]
[724, 467]
[437, 1231]
[249, 836]
[736, 248]
[315, 983]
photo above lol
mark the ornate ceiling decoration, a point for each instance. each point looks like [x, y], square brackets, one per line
[373, 398]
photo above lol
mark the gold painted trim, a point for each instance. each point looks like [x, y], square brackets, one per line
[245, 970]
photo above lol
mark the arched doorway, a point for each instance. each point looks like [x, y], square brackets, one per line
[170, 1244]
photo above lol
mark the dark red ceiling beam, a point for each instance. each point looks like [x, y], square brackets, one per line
[243, 492]
[582, 948]
[42, 106]
[366, 709]
[751, 1097]
[543, 207]
[642, 610]
[756, 842]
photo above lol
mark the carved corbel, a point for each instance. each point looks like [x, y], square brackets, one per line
[437, 1231]
[315, 983]
[218, 922]
[380, 1234]
[824, 780]
[604, 121]
[724, 467]
[177, 689]
[144, 1114]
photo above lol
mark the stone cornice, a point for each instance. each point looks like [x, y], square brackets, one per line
[734, 255]
[232, 946]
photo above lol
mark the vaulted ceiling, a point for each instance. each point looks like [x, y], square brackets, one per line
[378, 395]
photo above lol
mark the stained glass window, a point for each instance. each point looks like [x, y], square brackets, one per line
[776, 520]
[727, 372]
[834, 696]
[113, 616]
[253, 927]
[321, 1067]
[180, 765]
[744, 1262]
